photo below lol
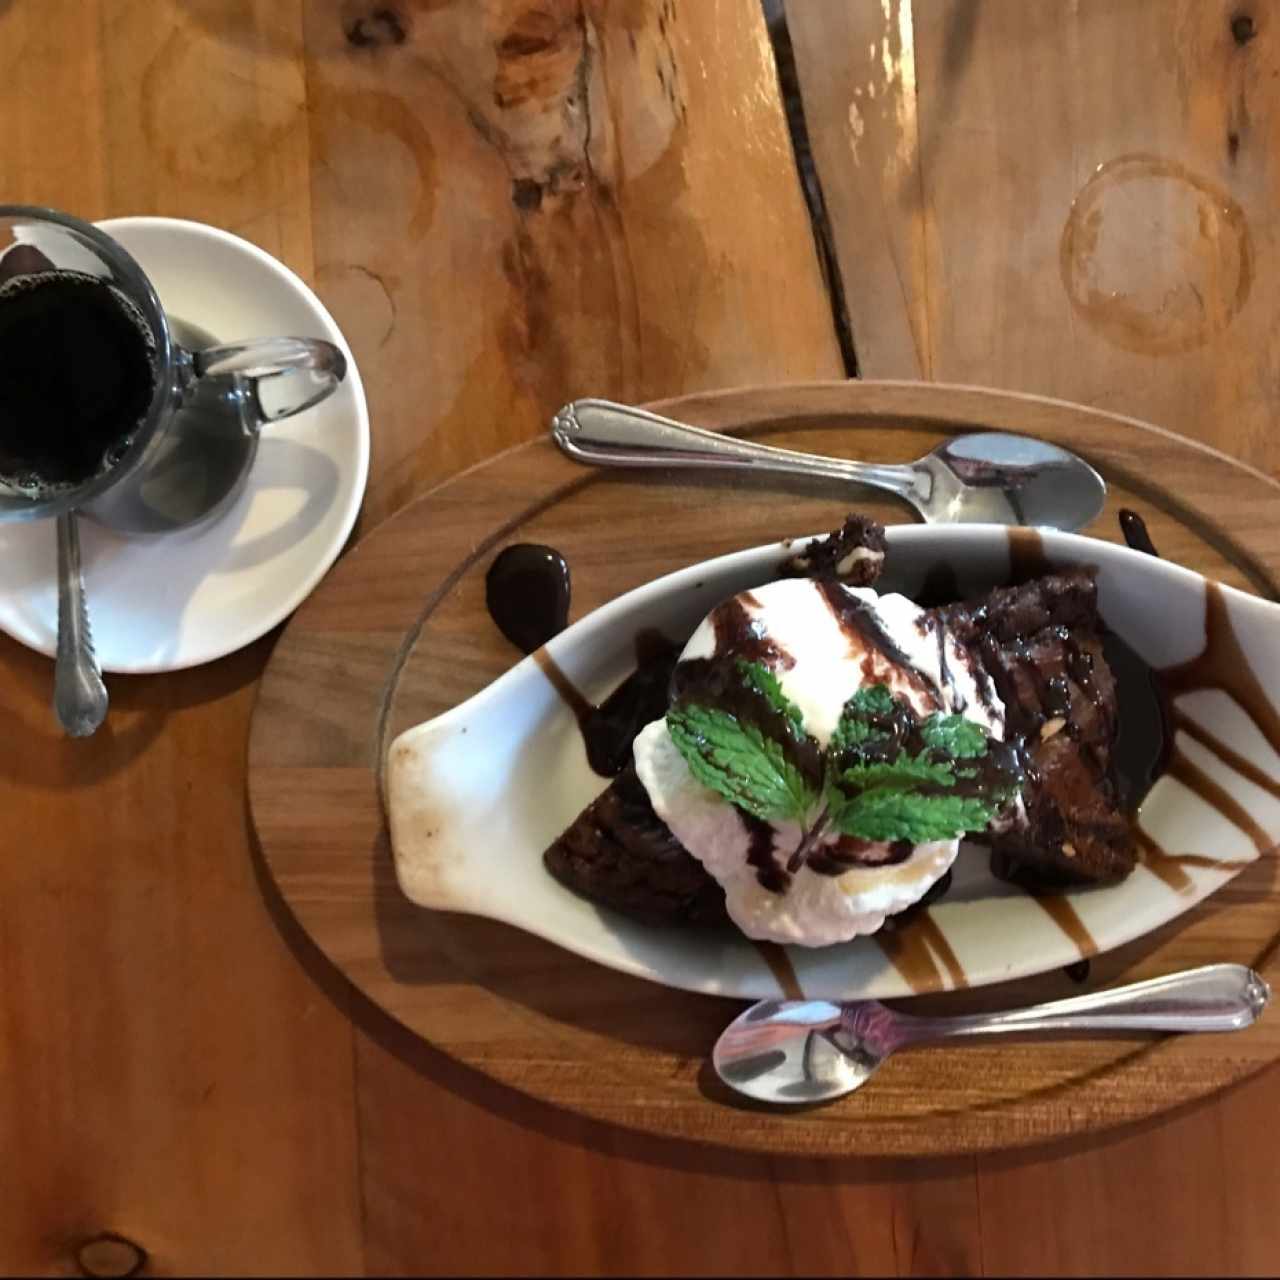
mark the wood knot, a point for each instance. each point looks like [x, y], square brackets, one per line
[1242, 28]
[521, 44]
[381, 26]
[110, 1255]
[526, 195]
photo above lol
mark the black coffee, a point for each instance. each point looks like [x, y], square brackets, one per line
[76, 376]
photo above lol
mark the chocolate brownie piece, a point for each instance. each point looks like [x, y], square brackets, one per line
[1041, 646]
[853, 553]
[621, 854]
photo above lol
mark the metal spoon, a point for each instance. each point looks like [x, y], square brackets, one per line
[803, 1051]
[988, 478]
[79, 696]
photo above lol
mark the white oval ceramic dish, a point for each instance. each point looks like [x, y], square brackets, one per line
[475, 795]
[170, 601]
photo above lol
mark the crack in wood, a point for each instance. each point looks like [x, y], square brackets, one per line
[810, 182]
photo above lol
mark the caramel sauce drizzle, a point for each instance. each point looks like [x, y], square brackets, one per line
[1065, 916]
[1194, 778]
[780, 966]
[1232, 759]
[1221, 665]
[916, 950]
[1170, 867]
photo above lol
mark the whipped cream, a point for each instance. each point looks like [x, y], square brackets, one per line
[823, 641]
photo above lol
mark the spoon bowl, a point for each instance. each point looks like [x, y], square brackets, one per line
[988, 477]
[997, 478]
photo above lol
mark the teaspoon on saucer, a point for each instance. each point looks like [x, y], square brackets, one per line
[805, 1051]
[79, 696]
[983, 478]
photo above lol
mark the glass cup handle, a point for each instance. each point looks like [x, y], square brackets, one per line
[278, 377]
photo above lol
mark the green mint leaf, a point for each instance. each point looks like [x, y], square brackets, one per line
[890, 813]
[955, 736]
[739, 762]
[855, 727]
[906, 773]
[759, 679]
[870, 700]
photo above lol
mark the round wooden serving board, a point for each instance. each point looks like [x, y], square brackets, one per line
[399, 633]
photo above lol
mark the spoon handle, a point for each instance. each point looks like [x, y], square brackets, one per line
[79, 696]
[614, 435]
[1217, 997]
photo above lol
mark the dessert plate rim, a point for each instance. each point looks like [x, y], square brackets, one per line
[434, 860]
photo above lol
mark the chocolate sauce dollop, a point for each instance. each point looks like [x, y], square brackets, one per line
[527, 592]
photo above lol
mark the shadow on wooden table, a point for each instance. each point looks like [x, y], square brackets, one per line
[141, 706]
[423, 949]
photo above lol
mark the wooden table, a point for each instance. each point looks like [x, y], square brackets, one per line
[507, 205]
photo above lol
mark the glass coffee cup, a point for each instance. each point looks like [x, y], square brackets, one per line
[111, 408]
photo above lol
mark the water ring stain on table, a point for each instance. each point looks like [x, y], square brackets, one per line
[1155, 258]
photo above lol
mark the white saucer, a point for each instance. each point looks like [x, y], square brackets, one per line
[176, 600]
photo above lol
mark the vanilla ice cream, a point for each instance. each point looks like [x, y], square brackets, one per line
[823, 641]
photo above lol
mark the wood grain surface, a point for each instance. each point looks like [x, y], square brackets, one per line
[1069, 199]
[400, 633]
[180, 1067]
[173, 1073]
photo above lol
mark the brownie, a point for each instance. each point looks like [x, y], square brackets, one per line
[621, 854]
[836, 555]
[1040, 646]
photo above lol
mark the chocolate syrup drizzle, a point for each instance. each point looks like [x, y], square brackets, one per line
[1134, 529]
[609, 730]
[527, 590]
[862, 625]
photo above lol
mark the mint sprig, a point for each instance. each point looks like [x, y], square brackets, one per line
[862, 720]
[737, 760]
[886, 775]
[955, 736]
[760, 680]
[888, 814]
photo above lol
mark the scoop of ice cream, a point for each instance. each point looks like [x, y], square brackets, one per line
[823, 641]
